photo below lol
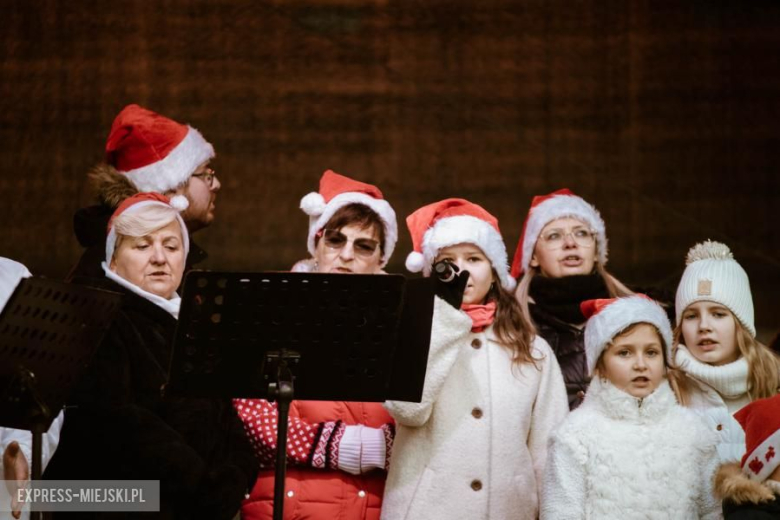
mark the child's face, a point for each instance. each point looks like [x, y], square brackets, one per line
[472, 259]
[710, 333]
[634, 362]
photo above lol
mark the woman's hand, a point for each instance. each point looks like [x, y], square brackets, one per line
[450, 283]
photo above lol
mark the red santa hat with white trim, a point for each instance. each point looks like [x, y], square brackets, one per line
[608, 317]
[156, 153]
[761, 422]
[456, 221]
[546, 208]
[139, 201]
[337, 191]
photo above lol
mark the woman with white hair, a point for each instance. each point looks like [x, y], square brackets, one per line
[118, 427]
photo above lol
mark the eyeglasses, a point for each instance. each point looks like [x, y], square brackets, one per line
[336, 240]
[555, 238]
[208, 176]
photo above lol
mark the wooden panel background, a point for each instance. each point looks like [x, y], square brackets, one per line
[664, 114]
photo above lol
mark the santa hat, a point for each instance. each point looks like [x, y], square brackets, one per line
[713, 275]
[761, 422]
[609, 317]
[136, 203]
[455, 221]
[156, 153]
[546, 208]
[337, 191]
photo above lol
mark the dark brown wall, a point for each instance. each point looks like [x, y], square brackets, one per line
[664, 114]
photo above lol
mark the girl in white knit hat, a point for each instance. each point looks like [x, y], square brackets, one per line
[724, 366]
[475, 446]
[630, 450]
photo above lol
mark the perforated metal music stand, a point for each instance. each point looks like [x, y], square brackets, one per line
[280, 336]
[49, 330]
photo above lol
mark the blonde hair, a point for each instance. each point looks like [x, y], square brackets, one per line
[763, 365]
[145, 220]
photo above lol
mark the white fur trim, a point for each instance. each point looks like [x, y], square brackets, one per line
[380, 206]
[617, 316]
[180, 202]
[174, 169]
[415, 262]
[313, 204]
[769, 466]
[561, 206]
[471, 230]
[111, 237]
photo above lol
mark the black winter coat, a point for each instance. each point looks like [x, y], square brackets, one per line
[568, 343]
[751, 511]
[117, 426]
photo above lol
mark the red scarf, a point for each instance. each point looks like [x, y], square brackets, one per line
[481, 315]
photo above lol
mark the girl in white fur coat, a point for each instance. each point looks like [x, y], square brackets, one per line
[475, 446]
[630, 451]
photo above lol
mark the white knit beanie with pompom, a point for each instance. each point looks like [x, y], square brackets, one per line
[713, 275]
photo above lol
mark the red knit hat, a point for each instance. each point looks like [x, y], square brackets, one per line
[156, 153]
[455, 221]
[139, 201]
[337, 191]
[761, 422]
[546, 208]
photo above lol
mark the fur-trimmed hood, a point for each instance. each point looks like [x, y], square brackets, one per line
[733, 485]
[111, 187]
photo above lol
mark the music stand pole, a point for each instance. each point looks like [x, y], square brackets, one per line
[283, 393]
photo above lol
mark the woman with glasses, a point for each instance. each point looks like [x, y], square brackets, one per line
[337, 452]
[560, 263]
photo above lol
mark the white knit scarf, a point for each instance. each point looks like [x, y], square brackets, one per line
[730, 381]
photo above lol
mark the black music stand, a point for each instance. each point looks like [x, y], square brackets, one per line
[285, 336]
[49, 331]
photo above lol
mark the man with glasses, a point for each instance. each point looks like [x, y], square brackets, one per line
[146, 152]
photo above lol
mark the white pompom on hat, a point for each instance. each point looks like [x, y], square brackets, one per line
[713, 275]
[337, 191]
[546, 208]
[608, 317]
[456, 221]
[156, 153]
[136, 203]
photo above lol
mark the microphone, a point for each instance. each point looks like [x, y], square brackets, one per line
[445, 271]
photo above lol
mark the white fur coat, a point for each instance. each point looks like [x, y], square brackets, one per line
[476, 445]
[618, 457]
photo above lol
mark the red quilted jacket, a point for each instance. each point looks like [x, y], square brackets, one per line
[314, 488]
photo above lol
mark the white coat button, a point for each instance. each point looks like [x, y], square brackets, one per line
[477, 343]
[476, 485]
[290, 494]
[361, 493]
